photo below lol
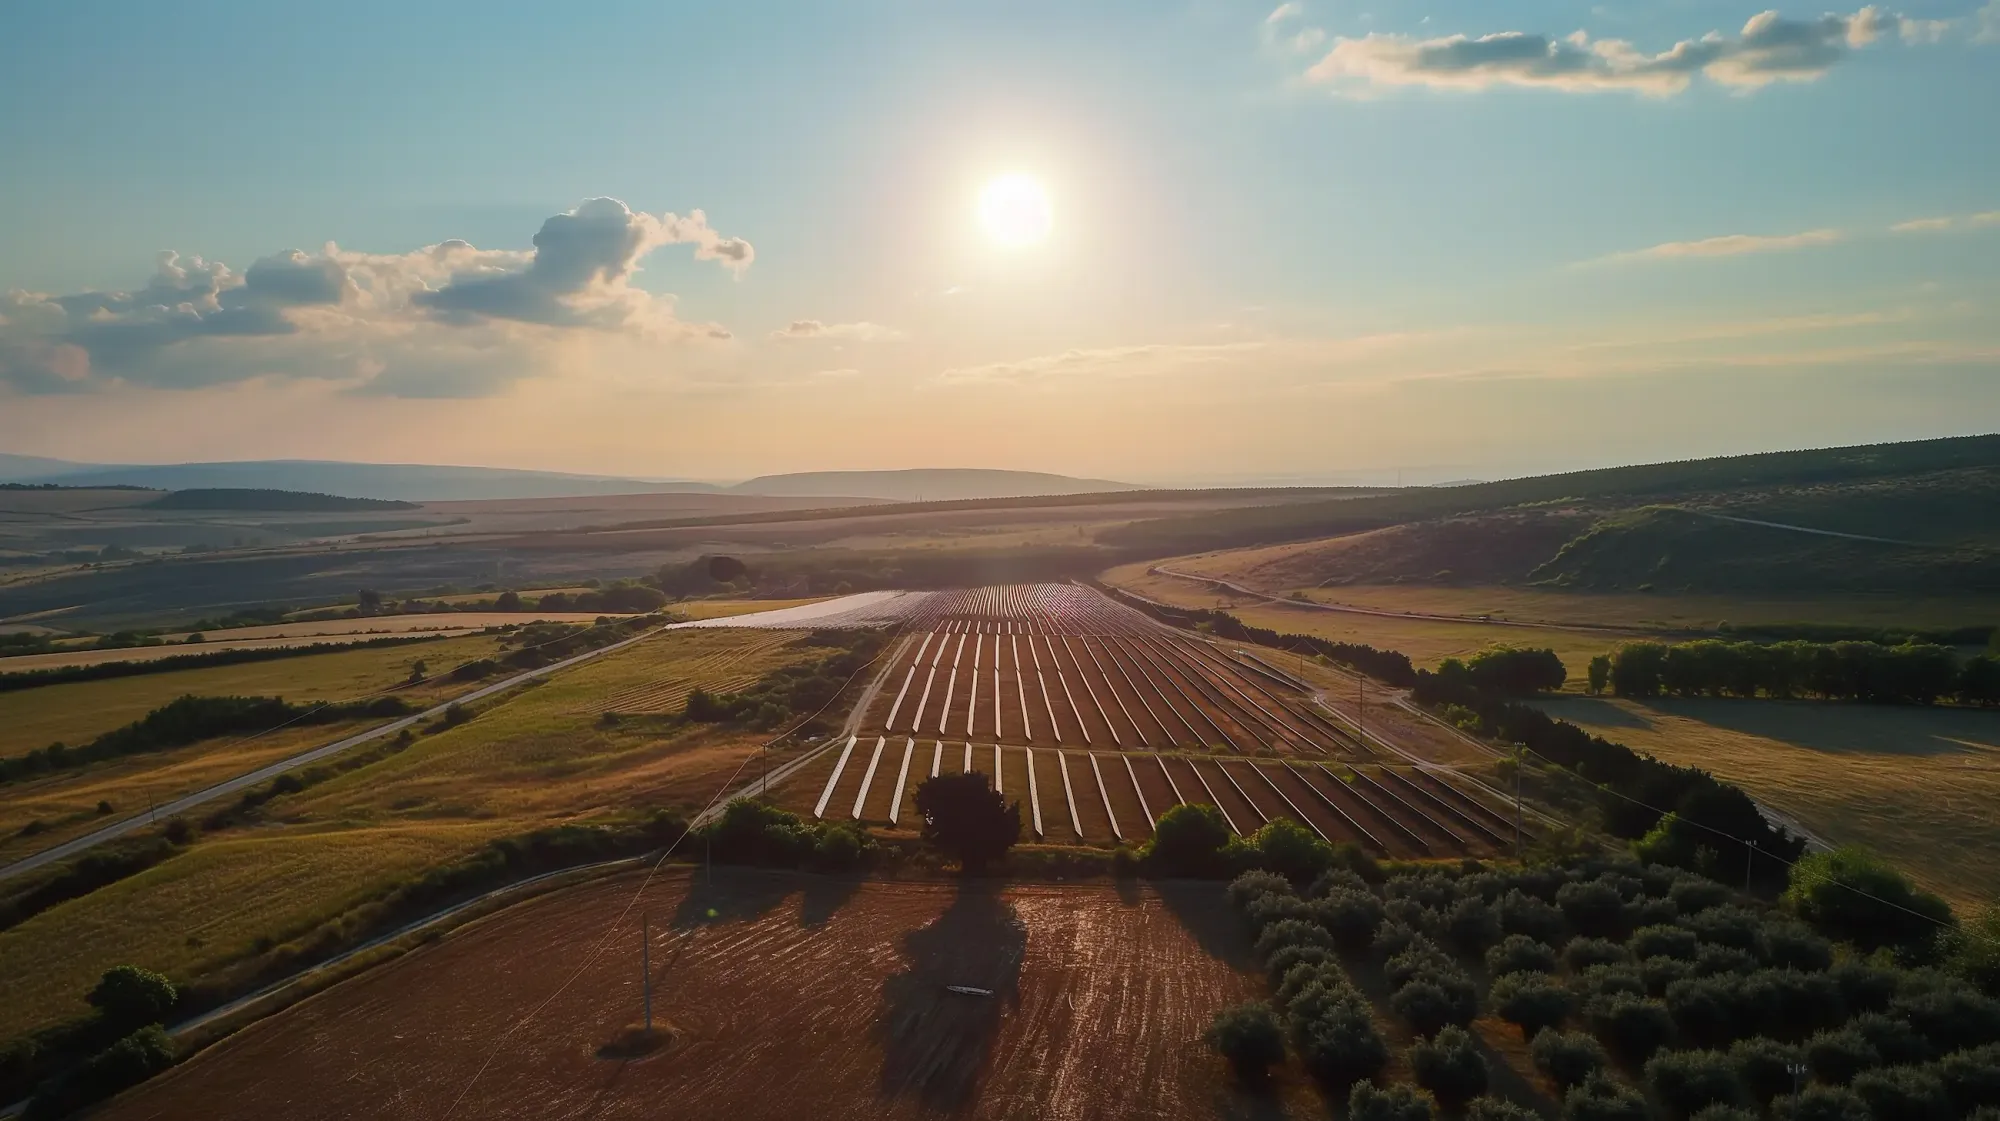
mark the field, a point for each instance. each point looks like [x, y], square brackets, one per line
[535, 757]
[1099, 720]
[1426, 641]
[1918, 785]
[75, 712]
[785, 996]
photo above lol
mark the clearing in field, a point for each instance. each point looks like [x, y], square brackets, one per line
[781, 996]
[1918, 785]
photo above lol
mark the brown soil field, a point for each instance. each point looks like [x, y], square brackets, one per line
[780, 995]
[391, 624]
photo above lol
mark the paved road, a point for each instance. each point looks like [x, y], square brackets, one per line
[230, 786]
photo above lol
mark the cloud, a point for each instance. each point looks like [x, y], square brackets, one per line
[1947, 222]
[1986, 23]
[1769, 48]
[1922, 225]
[1731, 245]
[806, 330]
[448, 319]
[1109, 361]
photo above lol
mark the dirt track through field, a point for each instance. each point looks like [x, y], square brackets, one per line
[785, 996]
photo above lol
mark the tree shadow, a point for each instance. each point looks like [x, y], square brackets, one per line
[730, 894]
[825, 895]
[934, 1041]
[1594, 711]
[1846, 727]
[1204, 912]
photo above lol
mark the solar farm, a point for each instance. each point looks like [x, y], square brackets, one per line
[1097, 720]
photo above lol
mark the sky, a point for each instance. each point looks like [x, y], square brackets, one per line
[1322, 241]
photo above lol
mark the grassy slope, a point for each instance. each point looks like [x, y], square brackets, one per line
[76, 712]
[535, 759]
[1918, 785]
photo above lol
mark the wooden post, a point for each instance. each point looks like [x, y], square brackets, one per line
[1520, 760]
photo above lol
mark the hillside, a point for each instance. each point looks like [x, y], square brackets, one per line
[393, 481]
[242, 499]
[926, 484]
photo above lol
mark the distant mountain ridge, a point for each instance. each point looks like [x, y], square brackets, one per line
[421, 482]
[933, 484]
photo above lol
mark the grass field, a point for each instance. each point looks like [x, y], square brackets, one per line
[395, 624]
[1426, 641]
[727, 608]
[76, 712]
[540, 756]
[1918, 785]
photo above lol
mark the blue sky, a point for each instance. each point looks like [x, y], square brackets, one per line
[1322, 240]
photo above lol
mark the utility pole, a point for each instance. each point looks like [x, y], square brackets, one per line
[1749, 861]
[1361, 706]
[646, 966]
[1520, 761]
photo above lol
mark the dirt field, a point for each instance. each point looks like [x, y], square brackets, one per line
[393, 624]
[786, 996]
[1918, 785]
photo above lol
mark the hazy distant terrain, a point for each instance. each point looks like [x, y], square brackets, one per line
[933, 485]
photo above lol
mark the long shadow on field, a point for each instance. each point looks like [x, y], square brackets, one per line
[935, 1041]
[1204, 912]
[825, 895]
[732, 895]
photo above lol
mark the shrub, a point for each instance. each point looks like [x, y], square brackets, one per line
[128, 997]
[1595, 909]
[1714, 960]
[1685, 1081]
[1664, 941]
[1972, 1077]
[1188, 840]
[1763, 1066]
[1568, 1058]
[1531, 1001]
[1709, 1010]
[1732, 926]
[1518, 953]
[1600, 1099]
[1291, 932]
[1283, 959]
[1905, 1093]
[1472, 925]
[1249, 1037]
[965, 818]
[1397, 1103]
[1951, 1017]
[1893, 1039]
[1252, 886]
[1267, 909]
[1719, 1112]
[1586, 952]
[128, 1062]
[1338, 1043]
[1975, 952]
[1821, 1103]
[1634, 1027]
[1693, 894]
[1352, 917]
[1837, 1056]
[1306, 974]
[1449, 1065]
[1498, 1109]
[1337, 879]
[1524, 914]
[1791, 945]
[1610, 980]
[1289, 849]
[1863, 987]
[1430, 1003]
[1788, 1004]
[1658, 974]
[1850, 895]
[1420, 956]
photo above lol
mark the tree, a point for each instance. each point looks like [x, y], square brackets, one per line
[1449, 1065]
[1569, 1058]
[1248, 1036]
[1397, 1103]
[1850, 895]
[1505, 669]
[1531, 1001]
[966, 818]
[1188, 841]
[509, 600]
[129, 997]
[1686, 1081]
[1600, 674]
[1290, 849]
[370, 600]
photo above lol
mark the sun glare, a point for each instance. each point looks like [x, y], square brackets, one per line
[1014, 211]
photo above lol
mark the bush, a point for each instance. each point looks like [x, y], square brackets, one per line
[1905, 1093]
[1664, 941]
[128, 997]
[1763, 1066]
[1595, 909]
[1694, 894]
[1284, 959]
[126, 1063]
[1686, 1081]
[1601, 981]
[1735, 927]
[1397, 1103]
[1791, 945]
[1524, 914]
[1715, 960]
[1894, 1040]
[1568, 1058]
[1291, 932]
[1498, 1109]
[1252, 886]
[1304, 975]
[1632, 1026]
[1837, 1056]
[1601, 1099]
[1289, 849]
[1832, 890]
[1449, 1065]
[1472, 925]
[1429, 1004]
[1249, 1037]
[1338, 879]
[1531, 1001]
[1972, 1077]
[1821, 1103]
[1659, 974]
[1518, 953]
[1188, 840]
[1720, 1112]
[1336, 1040]
[1267, 909]
[1352, 917]
[1586, 952]
[1951, 1017]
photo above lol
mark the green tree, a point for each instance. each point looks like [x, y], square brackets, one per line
[1249, 1036]
[1851, 895]
[1600, 674]
[1188, 840]
[967, 819]
[129, 997]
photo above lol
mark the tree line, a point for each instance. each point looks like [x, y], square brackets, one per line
[1910, 673]
[1389, 666]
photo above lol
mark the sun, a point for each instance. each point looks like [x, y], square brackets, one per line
[1014, 211]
